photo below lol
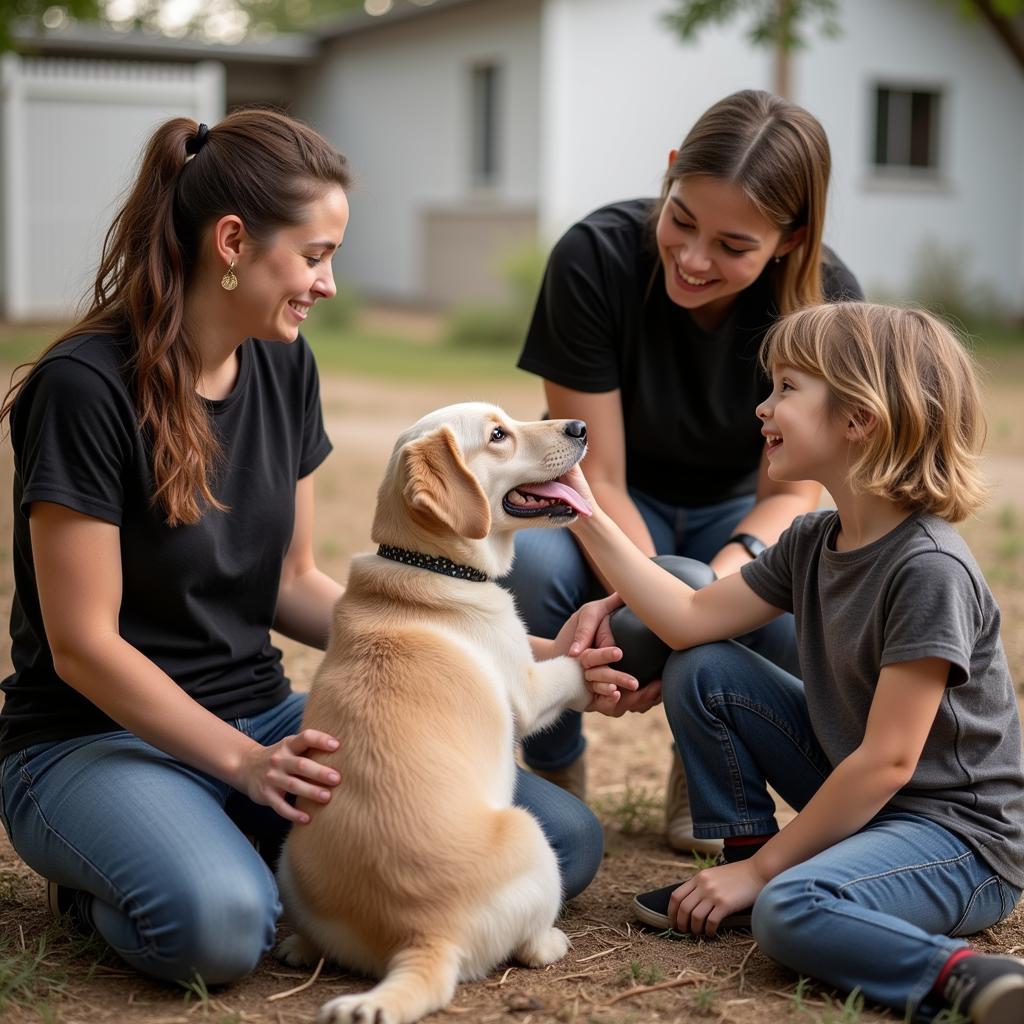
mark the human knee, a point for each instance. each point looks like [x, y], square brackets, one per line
[684, 677]
[579, 847]
[216, 933]
[782, 913]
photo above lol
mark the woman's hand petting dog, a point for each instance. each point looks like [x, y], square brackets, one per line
[268, 774]
[587, 636]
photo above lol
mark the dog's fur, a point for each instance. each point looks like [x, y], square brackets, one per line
[420, 870]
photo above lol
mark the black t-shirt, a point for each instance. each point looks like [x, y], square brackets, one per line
[604, 321]
[197, 600]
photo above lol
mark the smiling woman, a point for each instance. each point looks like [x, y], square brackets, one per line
[647, 327]
[163, 503]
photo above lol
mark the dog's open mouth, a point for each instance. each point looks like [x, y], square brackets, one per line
[550, 498]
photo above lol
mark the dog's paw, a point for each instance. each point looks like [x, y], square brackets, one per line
[297, 951]
[355, 1009]
[543, 949]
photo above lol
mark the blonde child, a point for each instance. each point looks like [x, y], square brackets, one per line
[901, 748]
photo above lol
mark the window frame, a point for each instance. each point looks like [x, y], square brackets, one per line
[934, 171]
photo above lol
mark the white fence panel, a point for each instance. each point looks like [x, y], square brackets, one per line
[71, 136]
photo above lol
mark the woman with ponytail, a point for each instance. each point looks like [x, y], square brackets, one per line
[647, 326]
[163, 504]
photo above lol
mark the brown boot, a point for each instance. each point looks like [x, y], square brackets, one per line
[678, 822]
[572, 778]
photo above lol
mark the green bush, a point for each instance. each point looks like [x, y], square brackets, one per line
[501, 324]
[497, 326]
[338, 313]
[941, 282]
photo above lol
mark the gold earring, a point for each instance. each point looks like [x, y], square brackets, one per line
[229, 282]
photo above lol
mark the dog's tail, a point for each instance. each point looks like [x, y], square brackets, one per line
[420, 980]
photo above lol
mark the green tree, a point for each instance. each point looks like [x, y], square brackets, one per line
[786, 25]
[250, 17]
[35, 11]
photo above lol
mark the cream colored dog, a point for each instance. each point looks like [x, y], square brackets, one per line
[420, 870]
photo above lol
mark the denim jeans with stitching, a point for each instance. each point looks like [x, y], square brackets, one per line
[159, 851]
[880, 911]
[550, 579]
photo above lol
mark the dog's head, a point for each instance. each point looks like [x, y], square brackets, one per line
[463, 478]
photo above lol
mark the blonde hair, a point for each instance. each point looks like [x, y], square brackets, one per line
[778, 154]
[911, 373]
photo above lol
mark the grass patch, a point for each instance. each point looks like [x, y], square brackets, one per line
[29, 979]
[339, 349]
[384, 355]
[641, 974]
[636, 809]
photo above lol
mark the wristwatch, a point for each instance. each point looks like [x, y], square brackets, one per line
[751, 544]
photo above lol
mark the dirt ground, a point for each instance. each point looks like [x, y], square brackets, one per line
[616, 971]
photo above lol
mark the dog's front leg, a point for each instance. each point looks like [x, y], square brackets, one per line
[549, 688]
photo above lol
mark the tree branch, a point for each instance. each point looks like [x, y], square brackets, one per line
[1005, 27]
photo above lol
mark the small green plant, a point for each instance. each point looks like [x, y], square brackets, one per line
[849, 1012]
[196, 989]
[950, 1016]
[638, 974]
[802, 985]
[704, 1000]
[702, 861]
[28, 978]
[636, 809]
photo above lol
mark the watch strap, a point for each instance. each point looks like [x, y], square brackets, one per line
[753, 545]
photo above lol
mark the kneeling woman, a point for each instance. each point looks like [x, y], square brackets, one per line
[163, 523]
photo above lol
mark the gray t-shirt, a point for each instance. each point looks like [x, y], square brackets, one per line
[915, 593]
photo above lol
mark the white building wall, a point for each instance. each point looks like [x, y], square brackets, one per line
[975, 211]
[621, 90]
[72, 133]
[396, 100]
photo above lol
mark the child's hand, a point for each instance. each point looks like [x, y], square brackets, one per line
[625, 700]
[607, 684]
[588, 627]
[700, 903]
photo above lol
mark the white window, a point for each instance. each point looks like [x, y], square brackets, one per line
[907, 123]
[485, 113]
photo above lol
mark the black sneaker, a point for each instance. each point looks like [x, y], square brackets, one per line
[652, 908]
[65, 906]
[987, 989]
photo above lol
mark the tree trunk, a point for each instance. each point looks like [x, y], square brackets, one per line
[783, 67]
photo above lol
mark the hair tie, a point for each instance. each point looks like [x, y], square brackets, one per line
[196, 143]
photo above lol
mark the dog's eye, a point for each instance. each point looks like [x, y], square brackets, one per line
[498, 434]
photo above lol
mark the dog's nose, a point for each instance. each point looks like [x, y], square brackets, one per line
[576, 428]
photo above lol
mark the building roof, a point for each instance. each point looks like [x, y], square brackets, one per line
[83, 39]
[356, 21]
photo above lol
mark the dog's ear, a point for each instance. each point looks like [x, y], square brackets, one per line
[438, 484]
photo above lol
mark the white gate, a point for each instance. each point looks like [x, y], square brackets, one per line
[71, 136]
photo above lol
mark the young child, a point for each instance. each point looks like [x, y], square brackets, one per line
[901, 749]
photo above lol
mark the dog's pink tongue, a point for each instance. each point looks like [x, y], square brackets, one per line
[560, 492]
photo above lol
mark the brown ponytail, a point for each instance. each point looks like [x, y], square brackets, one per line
[258, 164]
[779, 155]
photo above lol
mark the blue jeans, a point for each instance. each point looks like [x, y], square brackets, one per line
[550, 579]
[158, 850]
[881, 910]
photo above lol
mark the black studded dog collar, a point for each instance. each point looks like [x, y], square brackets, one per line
[435, 563]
